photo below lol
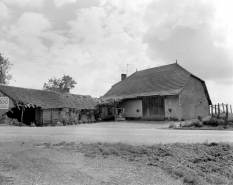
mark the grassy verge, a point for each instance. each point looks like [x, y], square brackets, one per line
[225, 128]
[200, 163]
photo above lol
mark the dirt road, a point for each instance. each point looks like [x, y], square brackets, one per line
[127, 132]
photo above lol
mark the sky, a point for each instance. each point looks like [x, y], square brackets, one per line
[93, 41]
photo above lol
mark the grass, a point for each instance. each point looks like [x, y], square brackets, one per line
[197, 163]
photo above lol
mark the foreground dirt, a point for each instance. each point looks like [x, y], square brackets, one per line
[197, 163]
[105, 163]
[29, 163]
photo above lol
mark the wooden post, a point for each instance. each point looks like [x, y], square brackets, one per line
[51, 116]
[218, 110]
[22, 115]
[212, 110]
[226, 111]
[223, 107]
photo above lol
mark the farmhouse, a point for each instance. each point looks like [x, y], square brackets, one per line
[43, 107]
[165, 92]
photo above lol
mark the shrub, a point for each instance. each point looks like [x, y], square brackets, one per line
[173, 119]
[215, 122]
[196, 123]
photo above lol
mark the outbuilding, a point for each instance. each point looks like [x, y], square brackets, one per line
[166, 92]
[42, 107]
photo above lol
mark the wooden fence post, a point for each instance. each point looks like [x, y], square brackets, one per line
[212, 110]
[226, 111]
[215, 109]
[218, 110]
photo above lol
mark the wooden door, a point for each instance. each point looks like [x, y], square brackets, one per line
[153, 108]
[47, 116]
[55, 115]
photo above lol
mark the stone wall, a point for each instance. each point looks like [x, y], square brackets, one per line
[193, 100]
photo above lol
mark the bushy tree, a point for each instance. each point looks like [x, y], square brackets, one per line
[5, 67]
[59, 84]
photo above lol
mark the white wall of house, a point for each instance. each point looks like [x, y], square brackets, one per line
[133, 108]
[172, 108]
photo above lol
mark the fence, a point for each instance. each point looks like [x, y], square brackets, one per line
[220, 110]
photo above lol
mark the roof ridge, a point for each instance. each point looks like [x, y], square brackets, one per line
[158, 67]
[28, 88]
[141, 71]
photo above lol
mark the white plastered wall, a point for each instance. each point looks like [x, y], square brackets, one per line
[133, 108]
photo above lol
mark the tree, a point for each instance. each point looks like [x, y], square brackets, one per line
[59, 84]
[5, 67]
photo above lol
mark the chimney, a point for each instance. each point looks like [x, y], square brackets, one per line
[66, 90]
[123, 76]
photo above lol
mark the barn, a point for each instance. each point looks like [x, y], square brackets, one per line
[167, 92]
[42, 107]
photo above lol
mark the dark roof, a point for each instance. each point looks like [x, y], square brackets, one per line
[80, 101]
[163, 80]
[44, 99]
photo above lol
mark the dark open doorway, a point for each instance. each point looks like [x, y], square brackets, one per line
[28, 115]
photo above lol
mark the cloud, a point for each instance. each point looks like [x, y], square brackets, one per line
[88, 26]
[4, 11]
[30, 24]
[184, 30]
[23, 3]
[109, 39]
[60, 3]
[93, 41]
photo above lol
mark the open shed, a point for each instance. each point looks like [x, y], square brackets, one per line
[39, 106]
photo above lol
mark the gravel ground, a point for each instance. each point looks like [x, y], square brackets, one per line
[24, 163]
[127, 132]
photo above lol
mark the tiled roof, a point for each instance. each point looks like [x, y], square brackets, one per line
[164, 80]
[45, 99]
